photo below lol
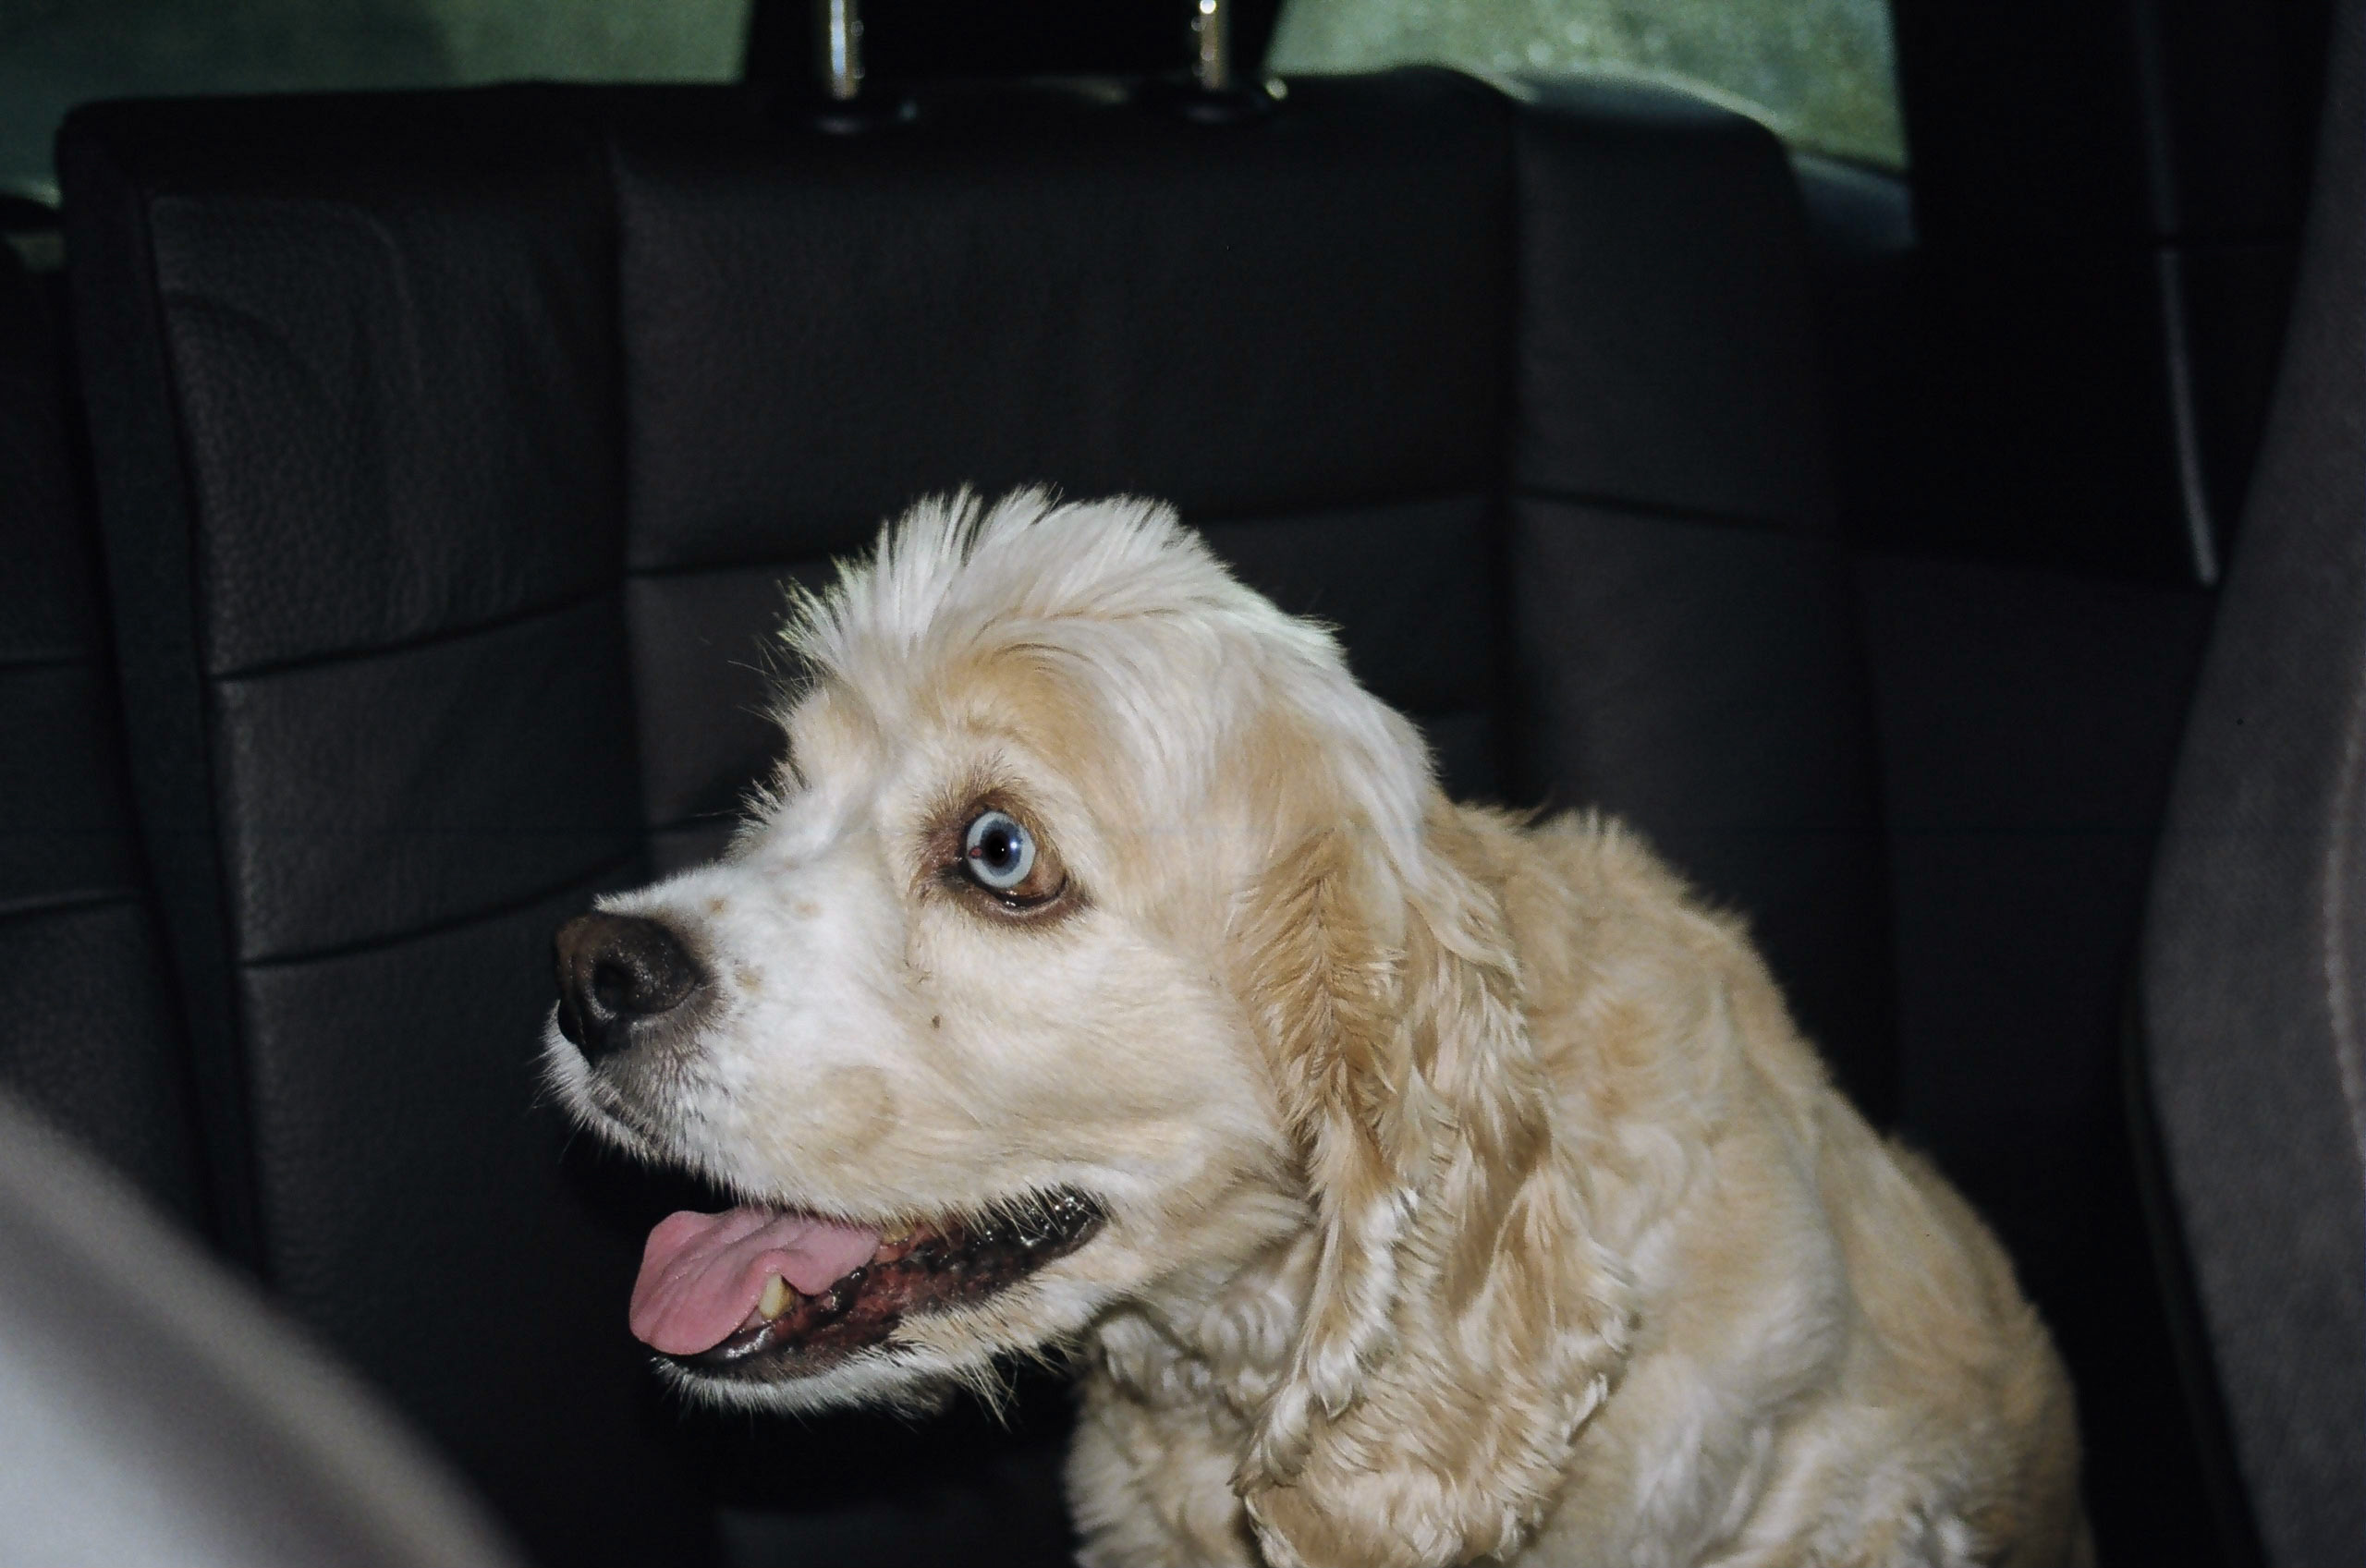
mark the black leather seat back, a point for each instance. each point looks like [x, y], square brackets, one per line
[89, 1032]
[454, 447]
[360, 457]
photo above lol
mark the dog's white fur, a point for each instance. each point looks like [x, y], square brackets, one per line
[1471, 1193]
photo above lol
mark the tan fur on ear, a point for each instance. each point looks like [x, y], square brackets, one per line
[1326, 985]
[1463, 1322]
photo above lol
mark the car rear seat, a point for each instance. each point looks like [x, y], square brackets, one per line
[92, 1035]
[452, 447]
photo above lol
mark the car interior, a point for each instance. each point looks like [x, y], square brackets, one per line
[1942, 534]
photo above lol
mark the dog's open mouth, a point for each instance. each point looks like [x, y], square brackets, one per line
[765, 1294]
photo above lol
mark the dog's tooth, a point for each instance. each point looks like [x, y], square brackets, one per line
[774, 1300]
[896, 1235]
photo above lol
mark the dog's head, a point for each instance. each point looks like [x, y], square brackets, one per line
[1099, 939]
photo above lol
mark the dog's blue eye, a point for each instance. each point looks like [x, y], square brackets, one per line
[998, 851]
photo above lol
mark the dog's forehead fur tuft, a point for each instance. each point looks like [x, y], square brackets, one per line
[1180, 662]
[954, 575]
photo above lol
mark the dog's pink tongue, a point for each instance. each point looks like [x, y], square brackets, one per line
[702, 1274]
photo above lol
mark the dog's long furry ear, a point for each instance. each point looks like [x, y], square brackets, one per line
[1463, 1322]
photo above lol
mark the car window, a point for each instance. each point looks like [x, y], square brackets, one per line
[1818, 72]
[55, 53]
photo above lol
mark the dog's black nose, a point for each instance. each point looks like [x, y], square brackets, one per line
[616, 971]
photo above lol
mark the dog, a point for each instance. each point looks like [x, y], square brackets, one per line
[1104, 977]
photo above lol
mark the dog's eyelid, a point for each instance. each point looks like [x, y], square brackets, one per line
[1007, 905]
[949, 821]
[1047, 889]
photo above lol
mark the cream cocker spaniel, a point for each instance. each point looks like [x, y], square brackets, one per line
[1105, 976]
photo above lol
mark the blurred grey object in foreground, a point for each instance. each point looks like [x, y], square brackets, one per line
[152, 1411]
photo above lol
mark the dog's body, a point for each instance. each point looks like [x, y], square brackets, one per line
[1826, 1358]
[1412, 1186]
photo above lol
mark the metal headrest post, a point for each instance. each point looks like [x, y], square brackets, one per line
[1215, 93]
[841, 105]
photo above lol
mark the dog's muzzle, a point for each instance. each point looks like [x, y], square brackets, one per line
[621, 979]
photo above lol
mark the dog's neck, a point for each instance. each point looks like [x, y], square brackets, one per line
[1224, 1340]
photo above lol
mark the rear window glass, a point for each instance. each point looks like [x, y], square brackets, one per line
[1818, 72]
[55, 53]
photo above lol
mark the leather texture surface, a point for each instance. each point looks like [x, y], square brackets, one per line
[2254, 983]
[1304, 312]
[67, 836]
[89, 1034]
[93, 1043]
[445, 778]
[708, 667]
[455, 446]
[47, 609]
[393, 368]
[1666, 349]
